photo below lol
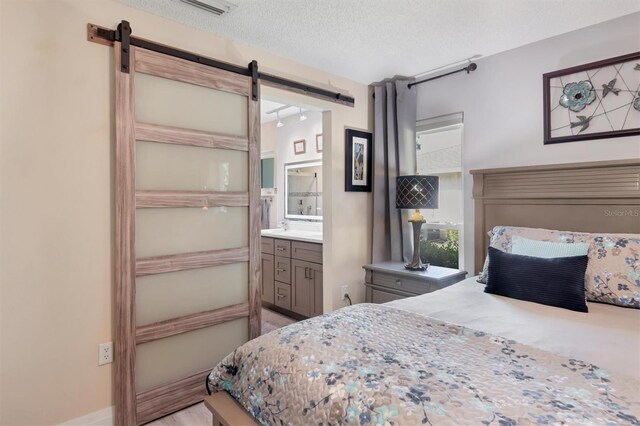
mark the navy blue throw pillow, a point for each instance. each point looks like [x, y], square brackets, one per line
[555, 282]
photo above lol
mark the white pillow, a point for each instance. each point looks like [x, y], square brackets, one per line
[547, 249]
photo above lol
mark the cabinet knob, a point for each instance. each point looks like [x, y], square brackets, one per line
[399, 283]
[280, 248]
[280, 270]
[280, 296]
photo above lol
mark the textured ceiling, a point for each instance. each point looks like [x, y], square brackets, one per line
[368, 40]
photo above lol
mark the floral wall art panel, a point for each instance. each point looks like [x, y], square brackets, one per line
[593, 101]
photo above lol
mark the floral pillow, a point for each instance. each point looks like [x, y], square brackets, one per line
[613, 271]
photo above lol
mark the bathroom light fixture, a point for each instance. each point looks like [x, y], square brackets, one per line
[280, 123]
[302, 115]
[217, 7]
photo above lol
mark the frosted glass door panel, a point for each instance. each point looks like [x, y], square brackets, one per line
[161, 166]
[176, 357]
[166, 296]
[174, 103]
[185, 230]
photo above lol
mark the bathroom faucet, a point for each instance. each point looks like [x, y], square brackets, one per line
[284, 224]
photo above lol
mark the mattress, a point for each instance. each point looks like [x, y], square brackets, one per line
[608, 336]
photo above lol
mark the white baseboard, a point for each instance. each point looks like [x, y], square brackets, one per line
[104, 417]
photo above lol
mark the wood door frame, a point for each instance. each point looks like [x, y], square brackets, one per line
[125, 392]
[136, 408]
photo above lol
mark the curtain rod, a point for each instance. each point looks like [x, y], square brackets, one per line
[447, 66]
[106, 36]
[471, 67]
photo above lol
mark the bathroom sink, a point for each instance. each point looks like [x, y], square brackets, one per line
[293, 234]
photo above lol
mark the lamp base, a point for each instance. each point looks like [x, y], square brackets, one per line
[420, 267]
[416, 264]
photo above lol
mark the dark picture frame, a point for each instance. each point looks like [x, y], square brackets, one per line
[591, 109]
[358, 167]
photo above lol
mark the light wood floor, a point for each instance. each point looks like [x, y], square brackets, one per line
[198, 415]
[272, 320]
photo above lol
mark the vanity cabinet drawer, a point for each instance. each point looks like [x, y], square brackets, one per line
[266, 245]
[400, 283]
[283, 296]
[282, 248]
[283, 269]
[309, 252]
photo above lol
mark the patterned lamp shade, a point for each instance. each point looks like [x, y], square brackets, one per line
[417, 192]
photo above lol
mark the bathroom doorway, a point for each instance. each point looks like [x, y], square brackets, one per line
[292, 211]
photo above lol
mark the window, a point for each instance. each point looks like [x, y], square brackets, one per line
[439, 153]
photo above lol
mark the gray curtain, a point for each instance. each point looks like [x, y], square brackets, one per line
[394, 155]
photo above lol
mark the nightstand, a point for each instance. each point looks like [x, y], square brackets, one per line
[387, 281]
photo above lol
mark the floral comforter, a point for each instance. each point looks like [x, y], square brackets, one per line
[376, 365]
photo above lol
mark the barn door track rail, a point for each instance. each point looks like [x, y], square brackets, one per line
[123, 34]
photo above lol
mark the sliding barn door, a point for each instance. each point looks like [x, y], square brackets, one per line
[187, 212]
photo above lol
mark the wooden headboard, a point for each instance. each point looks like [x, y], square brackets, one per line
[601, 196]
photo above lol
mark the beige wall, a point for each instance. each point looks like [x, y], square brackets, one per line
[268, 137]
[56, 196]
[268, 146]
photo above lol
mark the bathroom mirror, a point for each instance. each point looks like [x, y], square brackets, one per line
[303, 189]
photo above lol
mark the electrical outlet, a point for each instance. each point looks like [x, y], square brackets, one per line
[105, 353]
[345, 291]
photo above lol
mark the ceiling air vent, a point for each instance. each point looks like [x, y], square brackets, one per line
[217, 7]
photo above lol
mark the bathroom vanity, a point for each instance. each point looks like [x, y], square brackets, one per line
[292, 272]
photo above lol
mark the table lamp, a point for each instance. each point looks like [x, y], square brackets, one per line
[417, 192]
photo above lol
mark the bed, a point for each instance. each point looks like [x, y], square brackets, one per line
[459, 355]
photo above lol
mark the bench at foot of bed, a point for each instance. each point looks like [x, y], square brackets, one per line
[227, 412]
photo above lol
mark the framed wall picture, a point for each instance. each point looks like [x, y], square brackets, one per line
[319, 142]
[593, 101]
[299, 147]
[358, 161]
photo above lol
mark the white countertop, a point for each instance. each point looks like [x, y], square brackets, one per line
[294, 234]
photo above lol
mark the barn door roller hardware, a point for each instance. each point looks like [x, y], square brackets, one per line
[123, 35]
[253, 67]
